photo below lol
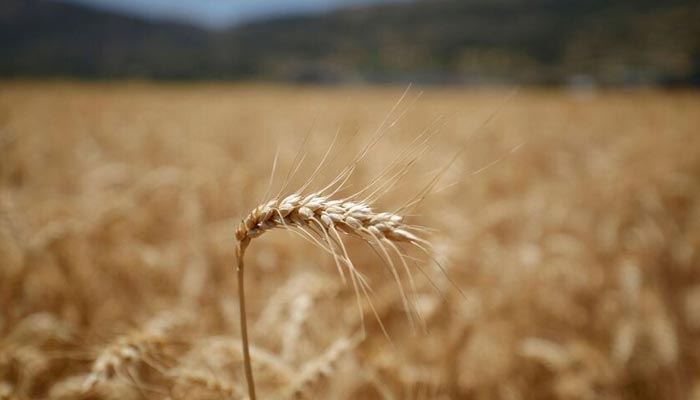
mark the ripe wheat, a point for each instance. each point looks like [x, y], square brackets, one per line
[321, 219]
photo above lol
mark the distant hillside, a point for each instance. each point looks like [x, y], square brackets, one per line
[53, 38]
[441, 41]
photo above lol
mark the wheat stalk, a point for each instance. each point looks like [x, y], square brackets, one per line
[321, 218]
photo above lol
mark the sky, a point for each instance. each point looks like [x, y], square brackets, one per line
[222, 13]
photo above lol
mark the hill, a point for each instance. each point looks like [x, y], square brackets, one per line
[49, 38]
[443, 41]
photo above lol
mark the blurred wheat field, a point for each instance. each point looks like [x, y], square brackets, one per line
[570, 265]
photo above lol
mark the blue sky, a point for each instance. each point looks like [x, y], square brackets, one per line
[219, 13]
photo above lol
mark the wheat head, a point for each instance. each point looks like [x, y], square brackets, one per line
[321, 218]
[319, 213]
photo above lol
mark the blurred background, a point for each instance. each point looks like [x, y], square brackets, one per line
[135, 134]
[572, 42]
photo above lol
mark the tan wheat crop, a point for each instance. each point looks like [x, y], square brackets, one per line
[577, 256]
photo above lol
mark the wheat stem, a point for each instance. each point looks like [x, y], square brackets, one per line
[240, 251]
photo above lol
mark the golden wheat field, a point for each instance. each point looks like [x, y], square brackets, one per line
[564, 264]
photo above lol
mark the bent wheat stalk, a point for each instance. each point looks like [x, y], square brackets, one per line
[322, 220]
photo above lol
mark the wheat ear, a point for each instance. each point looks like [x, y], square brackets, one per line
[322, 220]
[123, 355]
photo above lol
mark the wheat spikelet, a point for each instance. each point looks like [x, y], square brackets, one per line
[147, 346]
[321, 367]
[124, 355]
[316, 211]
[322, 220]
